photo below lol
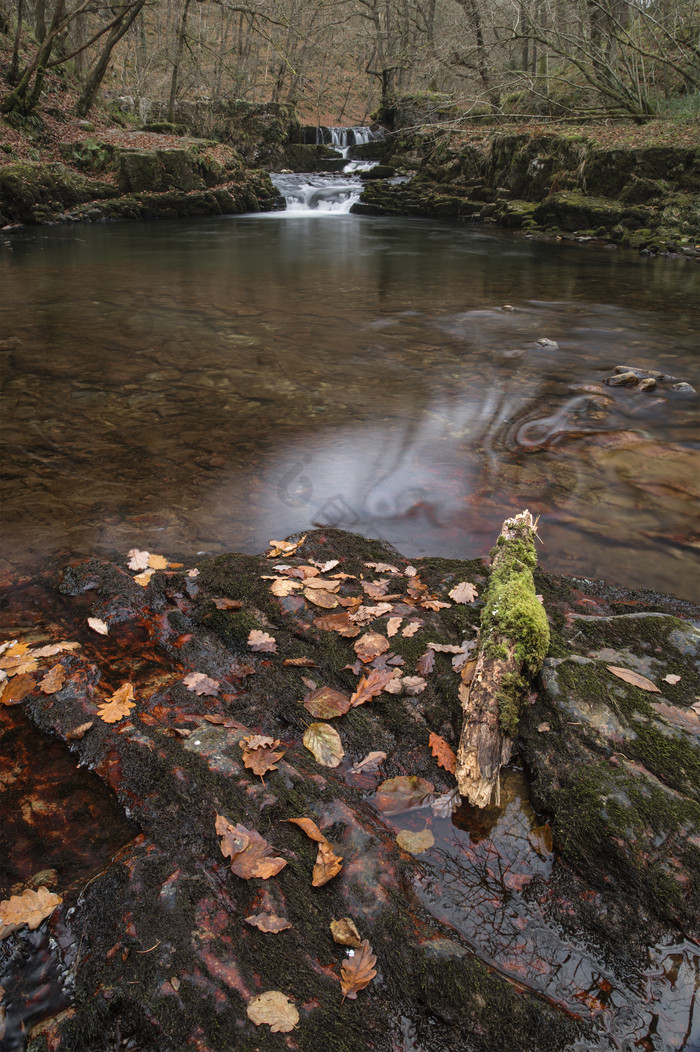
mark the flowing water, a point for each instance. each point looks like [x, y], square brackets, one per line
[198, 387]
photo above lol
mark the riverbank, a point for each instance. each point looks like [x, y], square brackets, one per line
[502, 928]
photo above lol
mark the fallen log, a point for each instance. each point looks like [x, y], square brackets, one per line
[513, 644]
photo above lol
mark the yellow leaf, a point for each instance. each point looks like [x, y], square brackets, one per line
[118, 705]
[415, 843]
[31, 908]
[324, 742]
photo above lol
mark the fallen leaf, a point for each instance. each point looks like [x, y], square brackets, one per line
[358, 972]
[414, 684]
[201, 684]
[376, 589]
[18, 662]
[310, 683]
[16, 689]
[410, 629]
[426, 663]
[445, 648]
[54, 648]
[445, 804]
[144, 578]
[78, 732]
[98, 626]
[321, 598]
[339, 623]
[193, 573]
[370, 646]
[138, 560]
[323, 741]
[268, 922]
[671, 678]
[274, 1009]
[284, 586]
[415, 843]
[403, 793]
[250, 854]
[222, 603]
[345, 933]
[395, 684]
[634, 678]
[30, 908]
[443, 753]
[310, 828]
[370, 613]
[410, 571]
[258, 640]
[543, 728]
[327, 865]
[157, 562]
[434, 604]
[383, 567]
[325, 567]
[53, 680]
[371, 685]
[464, 592]
[393, 625]
[259, 753]
[300, 662]
[284, 548]
[118, 705]
[320, 585]
[326, 703]
[371, 762]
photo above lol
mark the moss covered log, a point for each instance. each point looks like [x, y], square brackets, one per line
[514, 642]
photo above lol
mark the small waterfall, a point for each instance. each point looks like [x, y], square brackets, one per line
[340, 138]
[320, 194]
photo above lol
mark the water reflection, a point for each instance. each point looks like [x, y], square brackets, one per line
[204, 386]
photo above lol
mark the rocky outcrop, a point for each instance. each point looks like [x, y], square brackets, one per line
[551, 184]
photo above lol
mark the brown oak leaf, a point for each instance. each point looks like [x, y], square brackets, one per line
[345, 933]
[464, 592]
[261, 641]
[30, 908]
[443, 753]
[53, 680]
[634, 678]
[371, 685]
[275, 1010]
[118, 706]
[16, 689]
[201, 684]
[325, 703]
[250, 854]
[358, 972]
[339, 623]
[327, 866]
[259, 754]
[426, 663]
[268, 922]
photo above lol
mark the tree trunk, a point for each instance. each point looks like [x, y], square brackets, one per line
[14, 68]
[99, 69]
[180, 47]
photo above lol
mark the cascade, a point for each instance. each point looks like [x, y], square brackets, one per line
[320, 193]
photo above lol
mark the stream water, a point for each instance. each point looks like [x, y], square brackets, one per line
[194, 388]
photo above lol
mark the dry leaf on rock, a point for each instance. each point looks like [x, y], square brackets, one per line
[30, 908]
[345, 933]
[261, 641]
[370, 613]
[414, 684]
[426, 663]
[326, 703]
[415, 843]
[118, 705]
[53, 648]
[325, 567]
[78, 732]
[464, 592]
[285, 548]
[323, 741]
[157, 562]
[259, 753]
[250, 854]
[339, 623]
[268, 922]
[300, 662]
[370, 645]
[327, 866]
[144, 578]
[393, 625]
[201, 684]
[446, 648]
[317, 584]
[18, 660]
[376, 589]
[371, 685]
[410, 571]
[543, 728]
[98, 626]
[222, 603]
[370, 763]
[383, 567]
[358, 972]
[310, 828]
[283, 586]
[403, 793]
[53, 680]
[395, 684]
[634, 678]
[16, 689]
[410, 629]
[671, 678]
[443, 753]
[434, 604]
[319, 597]
[138, 560]
[275, 1010]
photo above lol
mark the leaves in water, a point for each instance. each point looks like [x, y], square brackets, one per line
[345, 933]
[201, 684]
[371, 685]
[403, 793]
[268, 922]
[16, 689]
[464, 592]
[259, 753]
[426, 663]
[275, 1010]
[138, 560]
[444, 805]
[250, 854]
[370, 645]
[326, 703]
[98, 626]
[258, 640]
[415, 843]
[53, 680]
[443, 753]
[118, 705]
[358, 972]
[634, 678]
[30, 908]
[370, 763]
[324, 742]
[339, 623]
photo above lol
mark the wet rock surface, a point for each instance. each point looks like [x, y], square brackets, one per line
[156, 950]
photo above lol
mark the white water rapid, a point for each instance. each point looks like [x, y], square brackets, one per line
[323, 193]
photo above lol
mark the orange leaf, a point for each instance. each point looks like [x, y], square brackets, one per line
[634, 678]
[118, 705]
[259, 753]
[328, 865]
[339, 623]
[320, 597]
[30, 908]
[358, 972]
[310, 828]
[250, 854]
[268, 922]
[16, 689]
[370, 645]
[371, 685]
[53, 680]
[227, 604]
[443, 753]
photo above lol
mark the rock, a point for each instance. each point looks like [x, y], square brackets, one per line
[647, 384]
[380, 171]
[620, 379]
[684, 388]
[551, 345]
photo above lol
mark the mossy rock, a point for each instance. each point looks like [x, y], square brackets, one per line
[36, 192]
